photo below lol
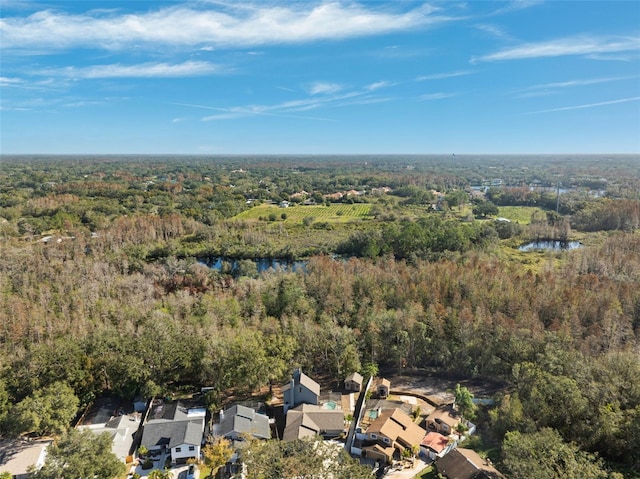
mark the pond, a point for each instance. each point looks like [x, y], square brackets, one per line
[233, 265]
[550, 245]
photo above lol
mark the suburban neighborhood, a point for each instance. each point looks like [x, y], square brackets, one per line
[396, 434]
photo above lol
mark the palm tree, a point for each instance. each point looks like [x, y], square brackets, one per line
[158, 474]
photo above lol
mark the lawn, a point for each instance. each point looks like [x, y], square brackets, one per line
[428, 472]
[335, 213]
[520, 214]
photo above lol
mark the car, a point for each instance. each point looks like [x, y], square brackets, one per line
[191, 472]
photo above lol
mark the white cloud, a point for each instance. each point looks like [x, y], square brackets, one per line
[436, 96]
[323, 88]
[581, 45]
[141, 70]
[7, 81]
[440, 76]
[516, 5]
[494, 31]
[590, 105]
[544, 88]
[379, 84]
[211, 26]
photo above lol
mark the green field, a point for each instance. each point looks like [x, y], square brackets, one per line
[520, 214]
[336, 213]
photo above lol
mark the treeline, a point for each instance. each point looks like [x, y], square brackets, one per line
[78, 314]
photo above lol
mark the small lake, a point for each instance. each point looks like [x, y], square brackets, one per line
[550, 245]
[233, 265]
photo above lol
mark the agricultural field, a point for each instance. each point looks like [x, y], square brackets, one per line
[335, 213]
[520, 214]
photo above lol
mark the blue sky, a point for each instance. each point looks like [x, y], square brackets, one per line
[222, 77]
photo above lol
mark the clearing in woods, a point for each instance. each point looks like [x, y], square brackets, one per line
[335, 213]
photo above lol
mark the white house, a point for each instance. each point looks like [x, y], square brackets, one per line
[176, 429]
[19, 456]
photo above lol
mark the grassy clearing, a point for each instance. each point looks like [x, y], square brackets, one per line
[428, 472]
[336, 213]
[520, 214]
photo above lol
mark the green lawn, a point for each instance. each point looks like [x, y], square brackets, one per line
[428, 472]
[519, 214]
[335, 213]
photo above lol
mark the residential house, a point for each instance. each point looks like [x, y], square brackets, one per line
[435, 445]
[121, 429]
[382, 388]
[300, 390]
[444, 420]
[114, 416]
[312, 420]
[174, 429]
[17, 457]
[393, 429]
[466, 464]
[353, 382]
[239, 421]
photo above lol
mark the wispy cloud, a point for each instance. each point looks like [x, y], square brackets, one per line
[440, 76]
[211, 25]
[494, 31]
[379, 84]
[323, 88]
[141, 70]
[581, 45]
[436, 96]
[8, 81]
[515, 6]
[589, 105]
[548, 88]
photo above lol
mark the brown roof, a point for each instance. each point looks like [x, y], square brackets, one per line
[383, 382]
[397, 426]
[387, 451]
[435, 441]
[445, 414]
[466, 464]
[355, 377]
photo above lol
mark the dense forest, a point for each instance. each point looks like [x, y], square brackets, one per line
[105, 286]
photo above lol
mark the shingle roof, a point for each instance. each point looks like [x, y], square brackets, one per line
[397, 426]
[435, 441]
[309, 420]
[172, 433]
[355, 377]
[466, 464]
[445, 414]
[244, 420]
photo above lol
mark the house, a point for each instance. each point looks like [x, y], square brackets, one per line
[17, 457]
[239, 421]
[435, 445]
[312, 420]
[300, 390]
[353, 382]
[121, 429]
[115, 417]
[393, 429]
[466, 464]
[444, 420]
[174, 429]
[284, 204]
[382, 388]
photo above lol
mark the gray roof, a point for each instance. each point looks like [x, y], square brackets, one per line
[244, 420]
[163, 432]
[302, 379]
[355, 377]
[309, 420]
